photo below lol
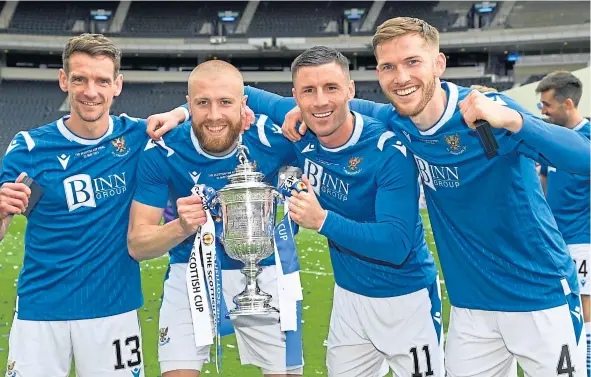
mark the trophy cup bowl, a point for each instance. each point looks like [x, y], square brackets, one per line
[248, 211]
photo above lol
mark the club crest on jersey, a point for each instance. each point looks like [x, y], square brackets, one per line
[207, 239]
[10, 372]
[353, 167]
[163, 337]
[454, 144]
[120, 146]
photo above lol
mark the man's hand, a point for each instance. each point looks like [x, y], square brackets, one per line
[191, 213]
[159, 124]
[290, 122]
[304, 208]
[14, 197]
[477, 106]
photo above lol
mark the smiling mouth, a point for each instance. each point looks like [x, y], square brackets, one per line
[322, 115]
[90, 103]
[215, 129]
[406, 92]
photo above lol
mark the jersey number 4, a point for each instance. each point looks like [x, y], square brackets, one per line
[565, 366]
[136, 353]
[582, 267]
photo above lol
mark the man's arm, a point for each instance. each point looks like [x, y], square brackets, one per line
[379, 111]
[553, 145]
[146, 238]
[274, 105]
[159, 124]
[4, 226]
[543, 174]
[519, 130]
[391, 237]
[16, 165]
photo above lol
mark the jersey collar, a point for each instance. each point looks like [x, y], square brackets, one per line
[357, 130]
[450, 109]
[65, 131]
[580, 124]
[204, 153]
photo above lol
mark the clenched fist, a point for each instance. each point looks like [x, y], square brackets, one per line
[14, 197]
[191, 213]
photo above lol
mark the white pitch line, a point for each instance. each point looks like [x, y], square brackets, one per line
[318, 273]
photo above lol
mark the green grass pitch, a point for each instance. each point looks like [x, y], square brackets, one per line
[317, 281]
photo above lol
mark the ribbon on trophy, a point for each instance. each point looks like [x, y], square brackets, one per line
[203, 275]
[288, 276]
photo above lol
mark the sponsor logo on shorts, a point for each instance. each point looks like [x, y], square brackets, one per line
[163, 339]
[10, 371]
[208, 238]
[135, 372]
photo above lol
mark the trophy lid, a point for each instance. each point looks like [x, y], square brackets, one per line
[245, 174]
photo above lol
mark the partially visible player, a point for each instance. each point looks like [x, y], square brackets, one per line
[78, 290]
[363, 196]
[511, 281]
[203, 151]
[568, 194]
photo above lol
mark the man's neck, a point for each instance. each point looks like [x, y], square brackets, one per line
[433, 111]
[574, 120]
[87, 130]
[341, 135]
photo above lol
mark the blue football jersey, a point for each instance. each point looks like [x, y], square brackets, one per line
[171, 168]
[370, 188]
[76, 264]
[498, 243]
[568, 197]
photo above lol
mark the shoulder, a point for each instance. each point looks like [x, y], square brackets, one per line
[264, 131]
[379, 139]
[27, 141]
[585, 130]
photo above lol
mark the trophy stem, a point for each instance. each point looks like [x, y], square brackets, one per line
[252, 301]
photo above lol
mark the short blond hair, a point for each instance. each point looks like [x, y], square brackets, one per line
[93, 45]
[215, 68]
[399, 26]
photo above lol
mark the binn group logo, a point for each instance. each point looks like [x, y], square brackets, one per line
[324, 183]
[84, 191]
[437, 176]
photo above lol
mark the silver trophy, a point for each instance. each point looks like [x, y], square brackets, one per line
[248, 211]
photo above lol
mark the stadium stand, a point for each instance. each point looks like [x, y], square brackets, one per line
[174, 18]
[425, 10]
[300, 19]
[545, 13]
[25, 105]
[29, 104]
[54, 18]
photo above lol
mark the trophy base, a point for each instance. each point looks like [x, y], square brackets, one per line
[257, 305]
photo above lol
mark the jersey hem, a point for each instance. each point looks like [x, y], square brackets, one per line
[30, 314]
[383, 293]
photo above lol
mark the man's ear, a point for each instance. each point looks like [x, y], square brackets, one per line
[440, 64]
[188, 104]
[118, 85]
[63, 80]
[351, 89]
